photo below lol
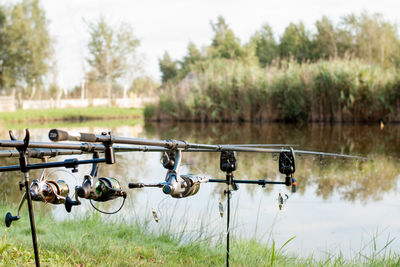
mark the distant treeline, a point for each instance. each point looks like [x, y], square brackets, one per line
[343, 72]
[28, 66]
[25, 48]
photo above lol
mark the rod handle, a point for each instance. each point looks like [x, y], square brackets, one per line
[135, 185]
[58, 135]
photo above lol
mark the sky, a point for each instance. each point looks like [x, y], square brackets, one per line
[169, 25]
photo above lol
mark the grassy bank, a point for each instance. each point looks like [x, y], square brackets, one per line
[91, 242]
[71, 114]
[325, 91]
[106, 123]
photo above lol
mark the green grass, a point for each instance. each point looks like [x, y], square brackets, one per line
[90, 241]
[106, 123]
[71, 114]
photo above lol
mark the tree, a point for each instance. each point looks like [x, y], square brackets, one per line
[193, 55]
[3, 47]
[265, 45]
[295, 42]
[325, 40]
[371, 38]
[25, 47]
[112, 53]
[225, 44]
[168, 67]
[144, 85]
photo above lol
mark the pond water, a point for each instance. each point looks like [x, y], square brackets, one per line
[340, 206]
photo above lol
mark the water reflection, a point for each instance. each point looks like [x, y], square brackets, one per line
[352, 180]
[335, 198]
[346, 138]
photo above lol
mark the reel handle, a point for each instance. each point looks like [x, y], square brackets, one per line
[135, 185]
[69, 203]
[9, 219]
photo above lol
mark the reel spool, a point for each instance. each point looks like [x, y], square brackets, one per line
[60, 182]
[50, 191]
[189, 186]
[107, 188]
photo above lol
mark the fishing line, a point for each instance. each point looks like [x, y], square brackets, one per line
[105, 212]
[258, 214]
[155, 216]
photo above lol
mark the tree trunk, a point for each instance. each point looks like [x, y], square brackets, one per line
[109, 85]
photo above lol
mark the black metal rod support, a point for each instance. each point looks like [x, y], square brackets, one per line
[141, 185]
[228, 194]
[65, 163]
[32, 220]
[258, 182]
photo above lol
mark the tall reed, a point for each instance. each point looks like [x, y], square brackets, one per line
[324, 91]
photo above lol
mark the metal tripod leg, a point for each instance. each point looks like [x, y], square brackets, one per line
[228, 200]
[32, 220]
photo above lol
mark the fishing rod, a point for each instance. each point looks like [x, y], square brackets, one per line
[147, 145]
[61, 135]
[89, 147]
[58, 135]
[40, 153]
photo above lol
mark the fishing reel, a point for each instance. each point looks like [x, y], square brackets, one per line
[185, 186]
[53, 192]
[104, 189]
[175, 185]
[287, 166]
[42, 190]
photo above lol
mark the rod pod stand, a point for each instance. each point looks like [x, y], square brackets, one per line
[23, 162]
[228, 165]
[228, 193]
[287, 166]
